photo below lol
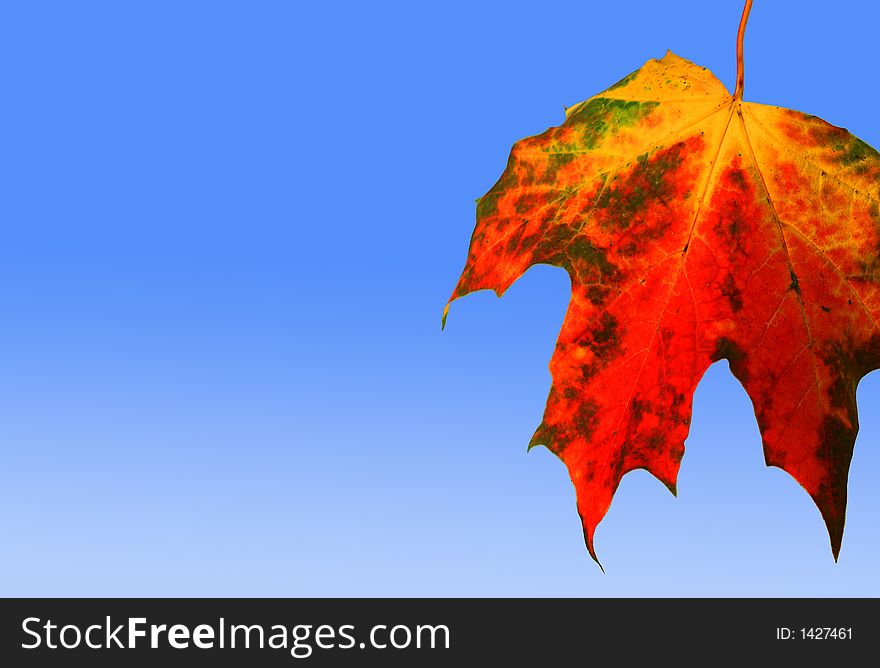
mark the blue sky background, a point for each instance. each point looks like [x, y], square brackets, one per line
[228, 232]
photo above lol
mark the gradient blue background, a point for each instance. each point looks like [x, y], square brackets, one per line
[228, 232]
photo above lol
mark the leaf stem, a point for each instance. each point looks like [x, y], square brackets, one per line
[740, 69]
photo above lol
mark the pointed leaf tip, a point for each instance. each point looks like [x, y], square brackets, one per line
[592, 551]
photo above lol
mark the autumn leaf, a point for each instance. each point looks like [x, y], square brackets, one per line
[695, 227]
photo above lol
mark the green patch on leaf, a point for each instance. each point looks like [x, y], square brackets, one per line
[602, 116]
[625, 81]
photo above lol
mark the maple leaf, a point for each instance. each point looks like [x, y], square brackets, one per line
[695, 227]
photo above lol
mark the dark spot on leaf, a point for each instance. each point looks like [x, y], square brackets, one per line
[527, 202]
[606, 332]
[585, 418]
[730, 290]
[654, 441]
[794, 282]
[625, 201]
[515, 239]
[597, 294]
[727, 349]
[604, 342]
[855, 153]
[638, 408]
[736, 179]
[734, 354]
[554, 162]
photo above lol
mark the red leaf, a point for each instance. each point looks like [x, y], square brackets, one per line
[695, 227]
